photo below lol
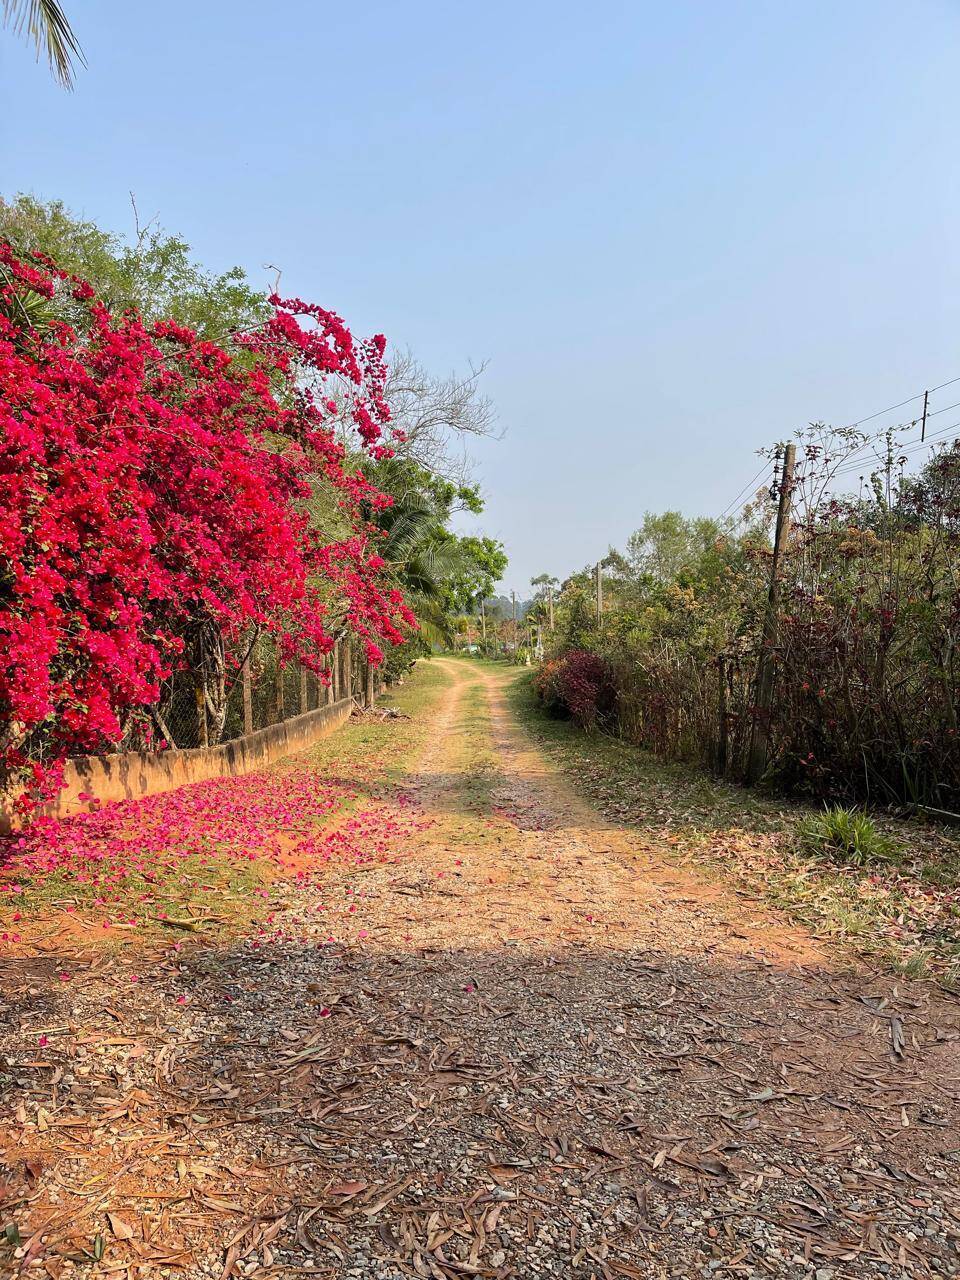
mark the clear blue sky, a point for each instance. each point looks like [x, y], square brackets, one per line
[676, 231]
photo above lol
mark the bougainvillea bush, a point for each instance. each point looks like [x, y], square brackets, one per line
[579, 685]
[158, 503]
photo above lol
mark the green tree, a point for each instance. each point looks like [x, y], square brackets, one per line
[543, 584]
[440, 574]
[153, 273]
[483, 564]
[666, 544]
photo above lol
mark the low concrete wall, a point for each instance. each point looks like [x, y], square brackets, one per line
[132, 774]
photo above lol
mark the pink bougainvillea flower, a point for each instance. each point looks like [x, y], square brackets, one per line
[155, 483]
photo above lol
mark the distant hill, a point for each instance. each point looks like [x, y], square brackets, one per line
[502, 607]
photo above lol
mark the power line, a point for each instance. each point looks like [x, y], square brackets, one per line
[909, 400]
[934, 438]
[916, 446]
[955, 405]
[747, 487]
[867, 444]
[889, 409]
[909, 448]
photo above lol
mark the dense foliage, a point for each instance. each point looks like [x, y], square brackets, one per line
[157, 490]
[865, 669]
[441, 574]
[578, 684]
[153, 272]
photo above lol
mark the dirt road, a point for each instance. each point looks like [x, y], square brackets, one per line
[527, 1045]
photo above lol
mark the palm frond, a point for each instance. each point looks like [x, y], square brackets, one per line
[26, 309]
[437, 636]
[406, 531]
[432, 564]
[49, 28]
[434, 625]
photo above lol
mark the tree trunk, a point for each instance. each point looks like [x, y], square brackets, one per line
[279, 695]
[208, 660]
[369, 694]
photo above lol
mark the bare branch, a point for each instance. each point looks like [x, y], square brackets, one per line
[141, 231]
[438, 415]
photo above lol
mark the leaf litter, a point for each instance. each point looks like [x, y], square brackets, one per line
[514, 1043]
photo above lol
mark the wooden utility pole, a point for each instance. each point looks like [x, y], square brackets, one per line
[483, 626]
[550, 599]
[599, 593]
[923, 424]
[760, 734]
[516, 633]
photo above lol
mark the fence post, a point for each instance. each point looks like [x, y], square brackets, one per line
[200, 697]
[304, 701]
[279, 700]
[760, 733]
[247, 697]
[368, 690]
[346, 668]
[724, 729]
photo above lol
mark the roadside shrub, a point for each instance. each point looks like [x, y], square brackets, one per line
[845, 835]
[863, 662]
[546, 686]
[579, 685]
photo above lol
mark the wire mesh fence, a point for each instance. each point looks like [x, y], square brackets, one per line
[218, 696]
[251, 691]
[248, 691]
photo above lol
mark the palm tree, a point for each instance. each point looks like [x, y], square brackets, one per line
[47, 26]
[423, 557]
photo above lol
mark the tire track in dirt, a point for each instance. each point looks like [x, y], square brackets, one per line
[620, 865]
[547, 1052]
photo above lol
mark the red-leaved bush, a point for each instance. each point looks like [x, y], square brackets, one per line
[155, 494]
[578, 684]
